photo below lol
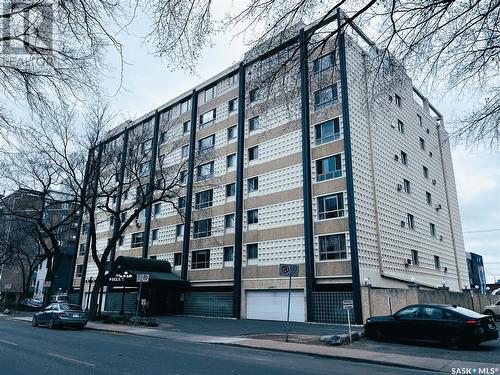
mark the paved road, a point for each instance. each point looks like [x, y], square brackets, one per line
[24, 350]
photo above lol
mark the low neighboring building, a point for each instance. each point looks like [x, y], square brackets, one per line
[477, 275]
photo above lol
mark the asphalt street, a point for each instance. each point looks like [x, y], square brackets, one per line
[28, 350]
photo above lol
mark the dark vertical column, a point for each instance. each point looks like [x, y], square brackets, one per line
[189, 190]
[80, 220]
[238, 225]
[151, 186]
[356, 287]
[306, 174]
[95, 185]
[121, 176]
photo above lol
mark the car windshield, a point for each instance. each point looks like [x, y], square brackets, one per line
[66, 306]
[465, 312]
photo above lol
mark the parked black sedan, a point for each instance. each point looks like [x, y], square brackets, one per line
[448, 324]
[58, 315]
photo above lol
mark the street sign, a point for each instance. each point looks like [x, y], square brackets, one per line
[142, 278]
[290, 270]
[347, 304]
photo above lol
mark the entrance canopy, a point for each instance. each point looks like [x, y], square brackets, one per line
[126, 269]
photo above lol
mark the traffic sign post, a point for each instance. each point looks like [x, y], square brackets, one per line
[290, 270]
[348, 305]
[140, 278]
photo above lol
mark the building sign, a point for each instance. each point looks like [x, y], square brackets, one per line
[120, 278]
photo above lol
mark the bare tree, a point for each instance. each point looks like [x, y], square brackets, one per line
[451, 45]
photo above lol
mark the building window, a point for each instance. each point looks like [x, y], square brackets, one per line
[331, 206]
[328, 168]
[232, 105]
[422, 143]
[398, 100]
[253, 184]
[177, 259]
[183, 177]
[253, 153]
[428, 197]
[233, 79]
[228, 254]
[327, 131]
[231, 161]
[202, 228]
[229, 221]
[157, 209]
[323, 63]
[332, 247]
[254, 95]
[181, 203]
[426, 171]
[432, 228]
[231, 190]
[121, 240]
[252, 251]
[404, 158]
[205, 171]
[406, 186]
[179, 230]
[146, 145]
[185, 106]
[401, 126]
[437, 262]
[144, 168]
[79, 270]
[154, 234]
[200, 259]
[326, 96]
[204, 199]
[231, 133]
[185, 151]
[210, 93]
[414, 257]
[253, 123]
[253, 216]
[206, 144]
[82, 249]
[419, 120]
[410, 221]
[137, 239]
[186, 127]
[207, 118]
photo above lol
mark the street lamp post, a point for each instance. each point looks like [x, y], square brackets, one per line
[123, 293]
[90, 280]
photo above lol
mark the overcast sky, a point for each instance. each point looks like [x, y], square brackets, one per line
[147, 83]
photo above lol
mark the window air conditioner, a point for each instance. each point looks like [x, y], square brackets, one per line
[434, 182]
[396, 157]
[400, 187]
[438, 207]
[408, 263]
[403, 223]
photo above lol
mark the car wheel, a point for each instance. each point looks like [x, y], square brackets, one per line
[378, 334]
[451, 342]
[34, 323]
[52, 324]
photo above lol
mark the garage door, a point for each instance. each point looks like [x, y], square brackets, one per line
[272, 305]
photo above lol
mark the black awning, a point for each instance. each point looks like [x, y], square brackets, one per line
[125, 270]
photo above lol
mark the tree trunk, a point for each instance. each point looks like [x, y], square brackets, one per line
[94, 297]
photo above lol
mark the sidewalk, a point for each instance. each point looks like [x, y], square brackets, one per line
[168, 331]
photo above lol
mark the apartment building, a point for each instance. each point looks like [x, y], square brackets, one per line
[339, 171]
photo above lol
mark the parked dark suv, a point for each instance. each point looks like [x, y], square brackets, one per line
[449, 324]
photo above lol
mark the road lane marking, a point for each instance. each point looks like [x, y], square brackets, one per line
[72, 359]
[8, 342]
